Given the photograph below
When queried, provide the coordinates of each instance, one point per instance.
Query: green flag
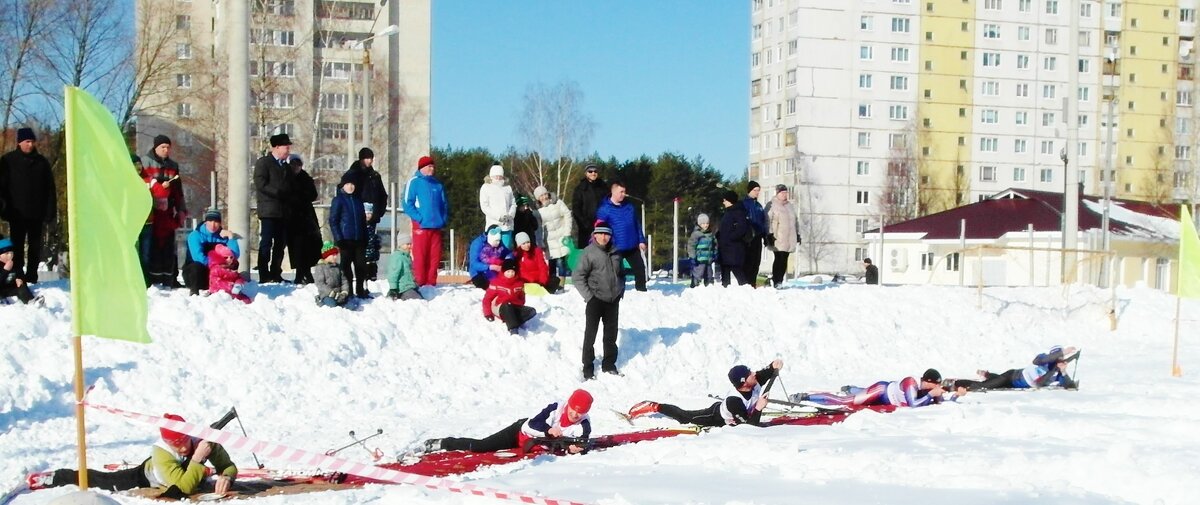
(107, 204)
(1189, 256)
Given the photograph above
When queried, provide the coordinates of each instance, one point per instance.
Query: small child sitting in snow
(11, 283)
(333, 288)
(223, 275)
(505, 298)
(400, 272)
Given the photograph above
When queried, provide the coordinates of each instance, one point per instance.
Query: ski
(624, 417)
(815, 407)
(13, 494)
(273, 474)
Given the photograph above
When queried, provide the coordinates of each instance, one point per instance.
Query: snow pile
(305, 376)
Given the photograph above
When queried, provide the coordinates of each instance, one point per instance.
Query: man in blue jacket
(758, 229)
(205, 237)
(628, 240)
(425, 203)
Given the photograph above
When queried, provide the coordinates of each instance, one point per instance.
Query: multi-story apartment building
(875, 111)
(307, 60)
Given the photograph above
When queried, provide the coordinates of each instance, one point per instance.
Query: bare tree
(556, 130)
(898, 200)
(86, 49)
(151, 64)
(1161, 181)
(815, 231)
(22, 28)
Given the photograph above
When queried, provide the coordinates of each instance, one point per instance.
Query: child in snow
(400, 272)
(486, 253)
(348, 224)
(175, 461)
(743, 406)
(372, 244)
(333, 288)
(223, 274)
(531, 263)
(558, 419)
(702, 249)
(11, 282)
(906, 392)
(505, 297)
(1048, 369)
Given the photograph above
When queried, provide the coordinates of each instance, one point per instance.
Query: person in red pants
(425, 202)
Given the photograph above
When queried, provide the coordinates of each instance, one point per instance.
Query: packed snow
(304, 376)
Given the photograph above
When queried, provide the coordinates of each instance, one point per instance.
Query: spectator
(525, 220)
(203, 239)
(28, 201)
(333, 288)
(425, 203)
(505, 297)
(374, 193)
(872, 274)
(162, 260)
(597, 278)
(585, 201)
(702, 249)
(272, 182)
(162, 170)
(11, 283)
(498, 204)
(628, 239)
(400, 272)
(782, 235)
(731, 239)
(486, 253)
(531, 263)
(348, 225)
(758, 230)
(555, 228)
(143, 242)
(223, 274)
(303, 227)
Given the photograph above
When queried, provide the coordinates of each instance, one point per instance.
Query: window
(864, 81)
(991, 88)
(270, 37)
(952, 262)
(1083, 119)
(864, 110)
(991, 59)
(1183, 152)
(755, 85)
(863, 168)
(335, 101)
(183, 22)
(866, 23)
(337, 70)
(1023, 89)
(757, 31)
(1019, 146)
(183, 109)
(861, 225)
(1051, 6)
(1048, 91)
(791, 78)
(1047, 119)
(1051, 36)
(1114, 10)
(989, 116)
(899, 82)
(1022, 61)
(1049, 63)
(1085, 38)
(1046, 175)
(793, 47)
(1183, 125)
(1018, 174)
(1048, 147)
(277, 100)
(900, 25)
(1022, 33)
(866, 53)
(900, 54)
(987, 174)
(1187, 15)
(991, 5)
(1084, 93)
(333, 131)
(754, 59)
(862, 197)
(860, 253)
(1085, 66)
(864, 140)
(1081, 150)
(1022, 117)
(989, 144)
(1085, 9)
(183, 81)
(274, 68)
(991, 31)
(897, 140)
(1183, 98)
(1024, 5)
(183, 51)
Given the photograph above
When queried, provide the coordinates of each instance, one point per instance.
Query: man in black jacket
(372, 190)
(272, 183)
(28, 200)
(872, 271)
(585, 201)
(731, 239)
(303, 227)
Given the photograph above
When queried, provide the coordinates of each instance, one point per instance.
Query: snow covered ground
(305, 376)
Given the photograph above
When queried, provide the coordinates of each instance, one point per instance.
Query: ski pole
(362, 442)
(243, 428)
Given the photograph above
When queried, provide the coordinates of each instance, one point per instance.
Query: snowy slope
(304, 376)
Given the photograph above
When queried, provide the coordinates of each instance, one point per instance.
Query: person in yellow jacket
(177, 460)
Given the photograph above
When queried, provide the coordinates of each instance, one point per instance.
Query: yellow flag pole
(1175, 370)
(80, 429)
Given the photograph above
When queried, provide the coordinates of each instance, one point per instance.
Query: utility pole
(1071, 195)
(238, 196)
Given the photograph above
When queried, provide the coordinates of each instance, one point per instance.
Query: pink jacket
(222, 277)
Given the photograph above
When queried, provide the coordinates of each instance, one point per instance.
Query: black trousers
(480, 281)
(304, 248)
(555, 282)
(498, 441)
(272, 239)
(22, 292)
(737, 271)
(120, 480)
(354, 263)
(634, 257)
(31, 232)
(992, 381)
(753, 259)
(609, 312)
(710, 416)
(195, 276)
(779, 267)
(514, 316)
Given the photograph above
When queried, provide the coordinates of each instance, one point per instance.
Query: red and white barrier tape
(316, 459)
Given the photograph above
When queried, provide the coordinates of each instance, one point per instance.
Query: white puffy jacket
(498, 205)
(556, 223)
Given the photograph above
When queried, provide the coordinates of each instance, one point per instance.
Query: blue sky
(657, 75)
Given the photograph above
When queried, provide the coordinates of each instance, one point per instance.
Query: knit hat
(135, 159)
(368, 207)
(539, 191)
(729, 196)
(350, 176)
(702, 219)
(523, 200)
(601, 227)
(173, 437)
(403, 239)
(751, 185)
(780, 187)
(580, 401)
(496, 170)
(280, 139)
(366, 154)
(931, 375)
(493, 235)
(6, 245)
(328, 249)
(212, 215)
(508, 264)
(24, 134)
(591, 167)
(423, 162)
(161, 139)
(521, 238)
(738, 375)
(295, 159)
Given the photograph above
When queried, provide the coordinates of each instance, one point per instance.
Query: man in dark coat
(872, 274)
(758, 227)
(731, 239)
(303, 227)
(585, 201)
(28, 201)
(373, 192)
(272, 181)
(160, 169)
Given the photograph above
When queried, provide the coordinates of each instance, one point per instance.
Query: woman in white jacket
(498, 204)
(555, 225)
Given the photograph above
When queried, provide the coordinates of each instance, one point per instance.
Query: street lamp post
(1062, 155)
(366, 83)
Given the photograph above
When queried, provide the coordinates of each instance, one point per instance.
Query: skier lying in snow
(745, 405)
(558, 419)
(906, 392)
(176, 460)
(1048, 369)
